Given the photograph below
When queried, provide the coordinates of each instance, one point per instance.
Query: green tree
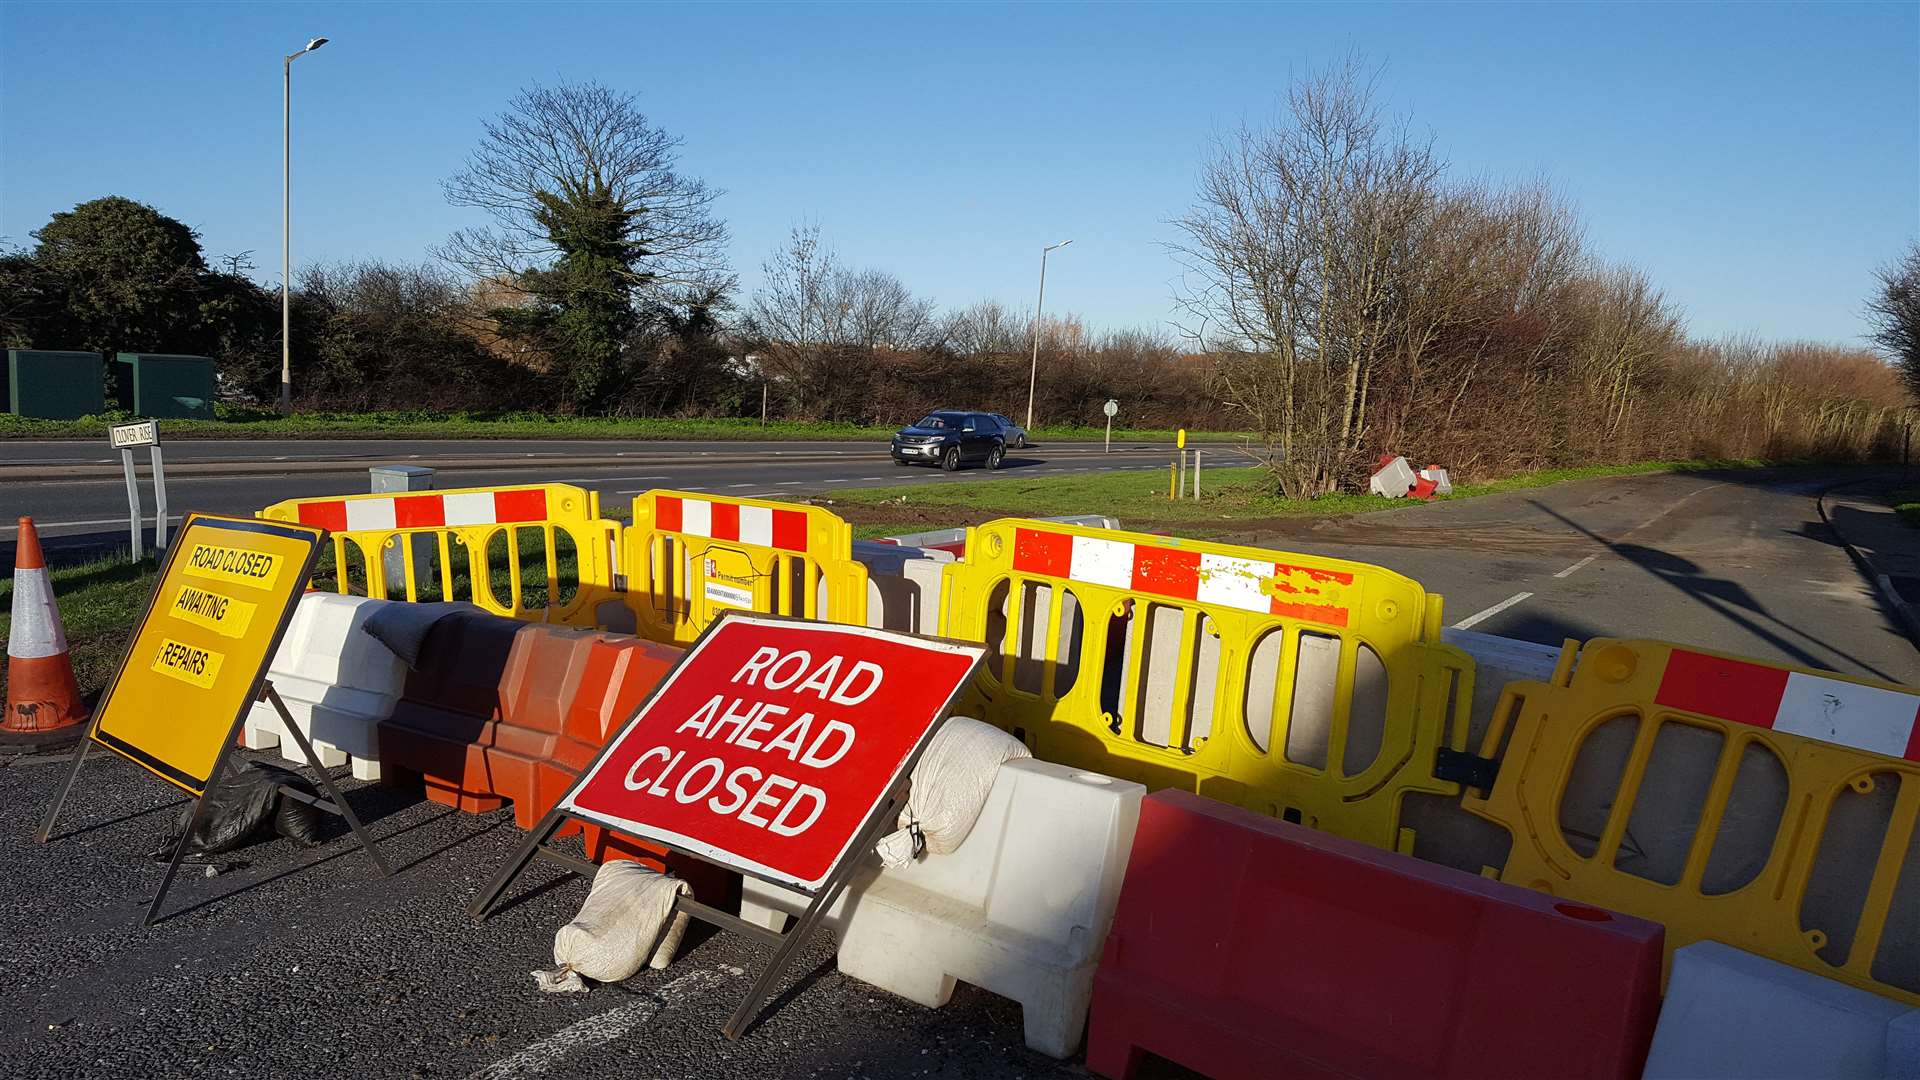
(121, 276)
(590, 222)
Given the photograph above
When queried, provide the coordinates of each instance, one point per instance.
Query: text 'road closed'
(773, 742)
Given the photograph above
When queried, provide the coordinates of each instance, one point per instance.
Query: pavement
(1885, 545)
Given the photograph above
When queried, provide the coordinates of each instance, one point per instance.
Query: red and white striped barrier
(1870, 718)
(427, 511)
(1256, 585)
(763, 526)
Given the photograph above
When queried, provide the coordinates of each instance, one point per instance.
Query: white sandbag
(617, 928)
(950, 785)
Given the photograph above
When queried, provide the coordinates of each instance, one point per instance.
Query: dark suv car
(949, 439)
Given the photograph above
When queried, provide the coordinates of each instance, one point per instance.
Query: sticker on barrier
(1767, 807)
(539, 552)
(775, 747)
(693, 557)
(1311, 689)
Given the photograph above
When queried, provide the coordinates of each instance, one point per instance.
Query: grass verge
(1233, 499)
(1906, 503)
(234, 423)
(98, 603)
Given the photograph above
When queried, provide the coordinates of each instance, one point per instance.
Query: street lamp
(286, 227)
(1033, 375)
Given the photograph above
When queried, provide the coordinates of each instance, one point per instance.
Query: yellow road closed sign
(201, 648)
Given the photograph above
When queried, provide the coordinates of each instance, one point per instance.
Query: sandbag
(619, 928)
(242, 806)
(403, 628)
(950, 785)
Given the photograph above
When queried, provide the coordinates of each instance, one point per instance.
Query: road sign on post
(1112, 409)
(126, 438)
(776, 747)
(198, 661)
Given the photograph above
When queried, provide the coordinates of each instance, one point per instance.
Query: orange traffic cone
(43, 700)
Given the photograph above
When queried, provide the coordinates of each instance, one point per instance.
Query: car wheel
(1021, 443)
(994, 455)
(950, 460)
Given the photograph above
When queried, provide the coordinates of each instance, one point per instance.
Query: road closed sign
(773, 742)
(200, 651)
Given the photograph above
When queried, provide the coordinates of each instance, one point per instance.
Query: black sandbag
(245, 804)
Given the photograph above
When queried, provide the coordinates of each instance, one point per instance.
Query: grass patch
(1906, 503)
(98, 604)
(1232, 499)
(238, 423)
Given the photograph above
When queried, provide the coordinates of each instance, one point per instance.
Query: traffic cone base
(43, 698)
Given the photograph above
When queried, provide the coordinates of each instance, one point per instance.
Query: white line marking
(1473, 620)
(145, 519)
(789, 483)
(1569, 570)
(842, 480)
(873, 478)
(739, 485)
(598, 1030)
(693, 487)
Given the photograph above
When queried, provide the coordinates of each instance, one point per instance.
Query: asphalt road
(1738, 561)
(75, 489)
(298, 962)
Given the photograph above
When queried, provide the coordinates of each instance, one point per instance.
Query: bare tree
(1894, 313)
(1296, 251)
(559, 154)
(987, 329)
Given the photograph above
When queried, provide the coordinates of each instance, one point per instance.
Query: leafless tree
(1894, 313)
(584, 145)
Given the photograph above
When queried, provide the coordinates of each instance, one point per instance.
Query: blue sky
(1757, 161)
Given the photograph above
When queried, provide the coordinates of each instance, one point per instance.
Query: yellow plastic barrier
(536, 551)
(1769, 808)
(693, 556)
(1311, 689)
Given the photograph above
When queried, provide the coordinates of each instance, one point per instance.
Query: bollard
(386, 479)
(1196, 475)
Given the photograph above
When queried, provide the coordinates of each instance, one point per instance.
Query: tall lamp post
(286, 226)
(1033, 374)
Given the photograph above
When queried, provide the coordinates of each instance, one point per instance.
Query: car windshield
(940, 421)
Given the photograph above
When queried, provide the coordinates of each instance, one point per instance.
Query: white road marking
(694, 487)
(1477, 618)
(873, 478)
(842, 480)
(145, 519)
(1569, 570)
(598, 1030)
(739, 485)
(789, 483)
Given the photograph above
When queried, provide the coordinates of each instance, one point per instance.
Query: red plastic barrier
(1244, 946)
(446, 716)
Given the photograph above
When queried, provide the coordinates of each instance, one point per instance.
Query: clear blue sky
(1757, 161)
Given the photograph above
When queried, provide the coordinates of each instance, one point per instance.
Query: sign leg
(133, 501)
(180, 849)
(60, 797)
(159, 499)
(802, 928)
(326, 780)
(483, 904)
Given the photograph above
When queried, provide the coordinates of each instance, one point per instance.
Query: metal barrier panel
(1314, 690)
(694, 556)
(538, 552)
(1769, 808)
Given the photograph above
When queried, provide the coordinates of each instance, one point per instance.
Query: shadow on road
(1728, 599)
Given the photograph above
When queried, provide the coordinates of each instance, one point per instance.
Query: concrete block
(1729, 1013)
(1394, 478)
(1021, 909)
(903, 585)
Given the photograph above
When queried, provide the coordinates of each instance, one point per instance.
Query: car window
(938, 422)
(972, 423)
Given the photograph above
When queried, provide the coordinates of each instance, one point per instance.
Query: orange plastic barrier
(1249, 947)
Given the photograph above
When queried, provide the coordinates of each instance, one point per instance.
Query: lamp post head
(314, 44)
(1055, 247)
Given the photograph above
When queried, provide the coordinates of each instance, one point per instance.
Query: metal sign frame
(150, 438)
(878, 823)
(262, 689)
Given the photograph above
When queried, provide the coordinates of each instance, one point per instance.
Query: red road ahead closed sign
(773, 742)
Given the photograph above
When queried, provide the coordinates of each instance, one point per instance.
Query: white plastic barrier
(903, 585)
(1731, 1014)
(338, 683)
(1394, 478)
(1021, 909)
